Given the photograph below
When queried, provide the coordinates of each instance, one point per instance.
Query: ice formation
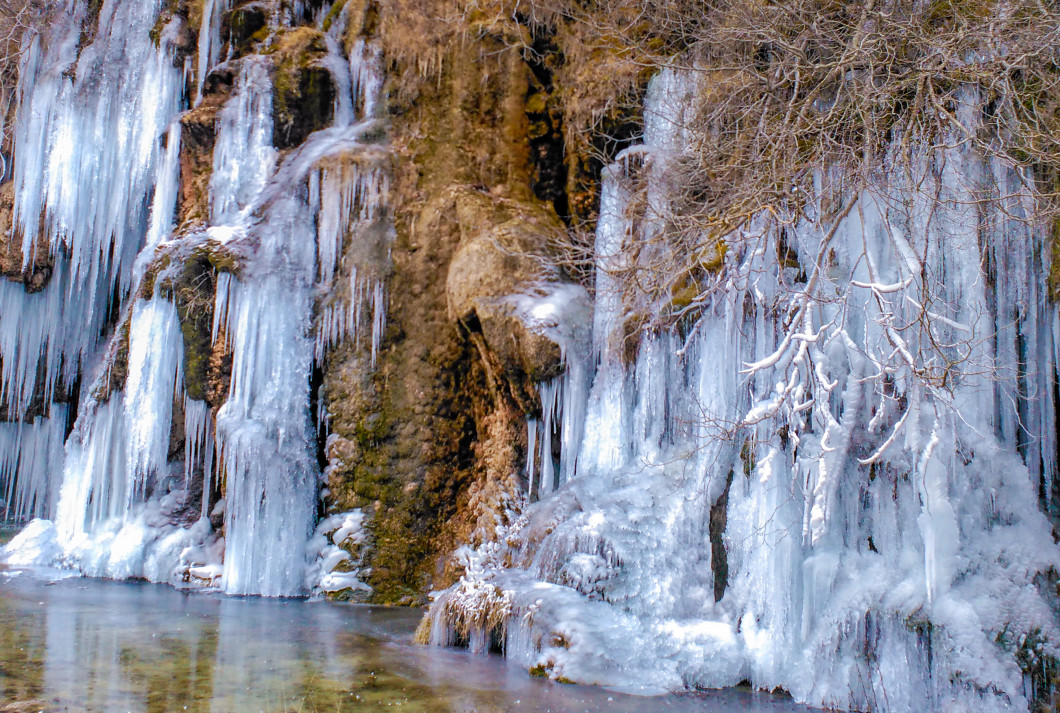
(97, 151)
(836, 482)
(336, 554)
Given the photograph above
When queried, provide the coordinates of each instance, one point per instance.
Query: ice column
(156, 350)
(87, 153)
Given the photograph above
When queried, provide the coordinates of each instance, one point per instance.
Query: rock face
(433, 441)
(34, 275)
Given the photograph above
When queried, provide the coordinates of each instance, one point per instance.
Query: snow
(335, 550)
(34, 545)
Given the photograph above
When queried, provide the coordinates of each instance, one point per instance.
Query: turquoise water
(74, 644)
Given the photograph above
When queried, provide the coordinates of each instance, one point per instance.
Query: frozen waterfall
(835, 482)
(97, 167)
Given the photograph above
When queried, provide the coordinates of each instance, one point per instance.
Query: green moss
(303, 93)
(333, 14)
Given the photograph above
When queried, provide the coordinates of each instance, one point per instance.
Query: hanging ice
(28, 452)
(155, 353)
(824, 483)
(243, 157)
(87, 150)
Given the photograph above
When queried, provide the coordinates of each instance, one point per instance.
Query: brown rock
(37, 274)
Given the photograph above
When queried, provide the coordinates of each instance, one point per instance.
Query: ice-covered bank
(834, 481)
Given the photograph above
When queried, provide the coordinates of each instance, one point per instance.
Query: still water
(74, 644)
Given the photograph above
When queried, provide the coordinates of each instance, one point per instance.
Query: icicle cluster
(30, 451)
(88, 151)
(352, 198)
(123, 509)
(834, 483)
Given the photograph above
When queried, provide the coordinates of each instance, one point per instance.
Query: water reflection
(90, 645)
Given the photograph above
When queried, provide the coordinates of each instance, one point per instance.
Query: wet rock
(248, 25)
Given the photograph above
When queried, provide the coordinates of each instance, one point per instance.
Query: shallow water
(74, 644)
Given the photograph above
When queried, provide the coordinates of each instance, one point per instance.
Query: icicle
(199, 442)
(367, 74)
(265, 440)
(87, 154)
(243, 154)
(156, 351)
(96, 451)
(164, 203)
(531, 448)
(352, 199)
(873, 430)
(264, 431)
(209, 41)
(29, 453)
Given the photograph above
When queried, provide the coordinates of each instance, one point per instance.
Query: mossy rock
(303, 90)
(193, 296)
(247, 26)
(185, 271)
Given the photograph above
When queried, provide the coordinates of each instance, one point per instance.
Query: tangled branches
(790, 92)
